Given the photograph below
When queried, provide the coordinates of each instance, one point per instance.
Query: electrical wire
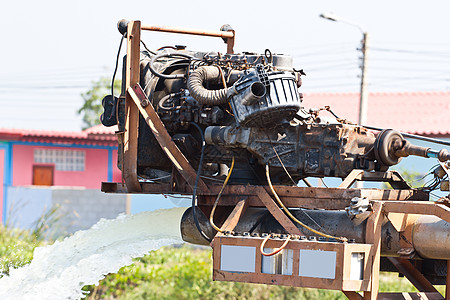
(114, 77)
(342, 239)
(284, 167)
(117, 64)
(276, 250)
(176, 196)
(281, 162)
(161, 55)
(304, 180)
(414, 52)
(211, 178)
(145, 46)
(211, 216)
(222, 76)
(153, 179)
(194, 193)
(224, 83)
(323, 182)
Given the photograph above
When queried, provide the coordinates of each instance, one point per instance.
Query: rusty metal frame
(130, 138)
(305, 197)
(410, 296)
(373, 237)
(341, 281)
(418, 207)
(134, 99)
(384, 202)
(405, 267)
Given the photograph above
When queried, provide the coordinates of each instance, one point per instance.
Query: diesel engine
(247, 107)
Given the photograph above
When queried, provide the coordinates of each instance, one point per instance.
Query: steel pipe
(430, 236)
(222, 34)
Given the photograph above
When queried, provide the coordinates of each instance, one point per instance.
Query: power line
(403, 51)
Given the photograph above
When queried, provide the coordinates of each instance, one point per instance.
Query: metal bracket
(232, 220)
(418, 207)
(276, 212)
(141, 95)
(358, 209)
(392, 177)
(414, 276)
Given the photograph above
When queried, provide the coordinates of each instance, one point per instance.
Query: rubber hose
(164, 99)
(200, 93)
(160, 55)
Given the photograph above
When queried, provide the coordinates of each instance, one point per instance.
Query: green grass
(185, 273)
(17, 245)
(174, 273)
(16, 248)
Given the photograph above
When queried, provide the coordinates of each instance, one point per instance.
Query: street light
(362, 120)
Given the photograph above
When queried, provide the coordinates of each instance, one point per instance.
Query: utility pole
(363, 95)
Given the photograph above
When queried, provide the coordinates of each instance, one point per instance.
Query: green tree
(92, 106)
(413, 178)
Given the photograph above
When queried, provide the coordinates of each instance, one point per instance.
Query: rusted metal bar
(418, 207)
(405, 267)
(229, 35)
(392, 177)
(230, 43)
(447, 285)
(319, 198)
(353, 295)
(235, 215)
(147, 188)
(222, 34)
(373, 236)
(332, 194)
(351, 178)
(276, 212)
(409, 296)
(162, 136)
(131, 111)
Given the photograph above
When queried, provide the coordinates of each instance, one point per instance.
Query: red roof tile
(97, 135)
(101, 129)
(424, 113)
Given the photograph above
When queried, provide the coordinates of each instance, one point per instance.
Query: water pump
(231, 131)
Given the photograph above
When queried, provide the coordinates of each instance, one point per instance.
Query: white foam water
(60, 270)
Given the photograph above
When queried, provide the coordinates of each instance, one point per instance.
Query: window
(64, 160)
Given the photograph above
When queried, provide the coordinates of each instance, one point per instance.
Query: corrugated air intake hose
(200, 93)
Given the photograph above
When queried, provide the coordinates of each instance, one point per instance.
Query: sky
(52, 51)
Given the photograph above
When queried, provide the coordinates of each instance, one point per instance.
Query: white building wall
(78, 208)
